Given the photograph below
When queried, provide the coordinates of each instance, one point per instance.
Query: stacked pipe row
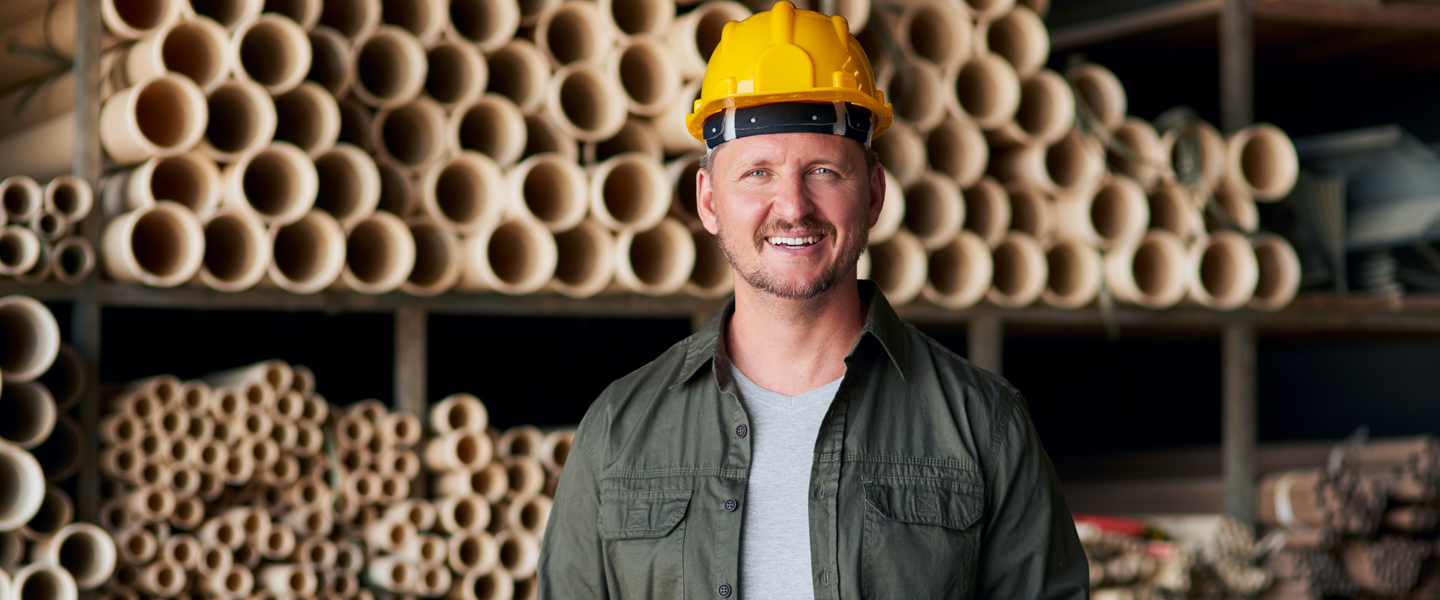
(44, 553)
(38, 224)
(1183, 556)
(225, 486)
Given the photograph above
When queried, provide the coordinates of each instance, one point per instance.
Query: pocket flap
(641, 513)
(925, 503)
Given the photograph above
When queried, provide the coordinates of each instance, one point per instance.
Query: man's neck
(793, 346)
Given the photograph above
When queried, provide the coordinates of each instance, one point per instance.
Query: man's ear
(705, 201)
(877, 192)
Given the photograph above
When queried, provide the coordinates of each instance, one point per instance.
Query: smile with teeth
(793, 242)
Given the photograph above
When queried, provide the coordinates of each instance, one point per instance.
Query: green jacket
(928, 482)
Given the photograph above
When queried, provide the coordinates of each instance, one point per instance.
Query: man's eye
(824, 171)
(755, 174)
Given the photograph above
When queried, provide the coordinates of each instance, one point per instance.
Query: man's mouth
(793, 242)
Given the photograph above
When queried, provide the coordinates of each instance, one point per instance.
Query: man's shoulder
(643, 385)
(948, 377)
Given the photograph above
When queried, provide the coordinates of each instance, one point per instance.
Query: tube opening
(190, 51)
(686, 191)
(163, 115)
(708, 30)
(570, 36)
(230, 250)
(947, 267)
(480, 129)
(177, 179)
(541, 138)
(159, 243)
(578, 251)
(355, 124)
(370, 251)
(1027, 213)
(141, 14)
(624, 191)
(380, 66)
(19, 201)
(712, 267)
(634, 17)
(411, 16)
(271, 183)
(652, 256)
(474, 20)
(510, 75)
(913, 96)
(1151, 270)
(1109, 212)
(460, 193)
(639, 73)
(225, 12)
(581, 98)
(1065, 265)
(1272, 264)
(327, 62)
(1037, 106)
(395, 191)
(1217, 270)
(930, 37)
(268, 54)
(449, 75)
(546, 191)
(1257, 160)
(432, 255)
(299, 117)
(924, 213)
(40, 585)
(339, 190)
(512, 252)
(239, 127)
(407, 136)
(13, 249)
(1065, 161)
(298, 250)
(1010, 269)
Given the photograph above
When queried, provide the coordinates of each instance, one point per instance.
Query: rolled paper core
(892, 211)
(711, 278)
(22, 197)
(637, 135)
(555, 449)
(1211, 156)
(958, 149)
(439, 258)
(647, 72)
(629, 192)
(467, 192)
(332, 63)
(494, 584)
(237, 251)
(472, 553)
(572, 32)
(1075, 273)
(987, 90)
(1073, 165)
(20, 250)
(355, 122)
(73, 260)
(1115, 214)
(410, 137)
(349, 184)
(24, 489)
(399, 192)
(488, 24)
(1263, 162)
(390, 68)
(278, 184)
(164, 115)
(1150, 272)
(530, 515)
(670, 123)
(520, 72)
(1233, 208)
(379, 254)
(552, 189)
(316, 553)
(1021, 271)
(457, 73)
(161, 245)
(585, 260)
(695, 35)
(1173, 208)
(1032, 212)
(61, 452)
(1279, 272)
(585, 102)
(463, 515)
(459, 450)
(987, 210)
(1045, 113)
(1019, 37)
(84, 550)
(69, 196)
(1100, 94)
(248, 124)
(182, 550)
(353, 19)
(658, 261)
(631, 18)
(898, 267)
(230, 14)
(682, 172)
(420, 513)
(1225, 272)
(959, 273)
(491, 125)
(936, 31)
(902, 149)
(305, 13)
(137, 545)
(197, 48)
(45, 581)
(934, 210)
(309, 254)
(425, 19)
(272, 51)
(308, 117)
(1143, 158)
(916, 90)
(519, 552)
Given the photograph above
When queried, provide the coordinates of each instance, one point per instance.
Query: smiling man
(807, 443)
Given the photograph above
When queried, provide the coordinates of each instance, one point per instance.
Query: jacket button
(724, 590)
(731, 505)
(742, 430)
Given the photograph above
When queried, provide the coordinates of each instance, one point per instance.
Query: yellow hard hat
(801, 61)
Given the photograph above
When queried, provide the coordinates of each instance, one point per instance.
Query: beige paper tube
(221, 531)
(197, 48)
(488, 24)
(1045, 114)
(457, 73)
(898, 266)
(84, 550)
(1279, 270)
(432, 581)
(152, 503)
(1019, 37)
(466, 192)
(695, 34)
(279, 542)
(55, 27)
(390, 67)
(49, 226)
(1115, 214)
(458, 450)
(987, 210)
(163, 579)
(22, 198)
(400, 429)
(1262, 161)
(936, 31)
(121, 430)
(56, 511)
(183, 550)
(136, 544)
(190, 179)
(353, 19)
(459, 412)
(61, 452)
(629, 192)
(958, 273)
(425, 19)
(1211, 154)
(161, 245)
(571, 32)
(648, 74)
(551, 189)
(245, 121)
(420, 513)
(24, 489)
(353, 430)
(399, 192)
(235, 582)
(316, 553)
(308, 117)
(410, 137)
(472, 553)
(278, 184)
(311, 520)
(43, 581)
(287, 581)
(1075, 273)
(1100, 92)
(892, 211)
(1072, 165)
(348, 185)
(585, 103)
(190, 512)
(525, 475)
(332, 62)
(1021, 271)
(555, 449)
(463, 515)
(214, 561)
(309, 254)
(682, 172)
(986, 89)
(230, 14)
(495, 584)
(305, 13)
(670, 123)
(272, 51)
(711, 278)
(521, 440)
(656, 262)
(934, 210)
(519, 71)
(1143, 157)
(491, 125)
(917, 91)
(355, 122)
(20, 250)
(637, 135)
(1150, 272)
(585, 260)
(530, 515)
(903, 150)
(1224, 271)
(427, 550)
(625, 19)
(519, 552)
(1233, 208)
(1173, 208)
(438, 258)
(1032, 212)
(69, 196)
(958, 149)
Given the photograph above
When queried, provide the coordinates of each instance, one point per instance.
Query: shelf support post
(985, 339)
(1237, 65)
(85, 313)
(410, 358)
(1239, 415)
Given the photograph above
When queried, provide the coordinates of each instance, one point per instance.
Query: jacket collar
(881, 324)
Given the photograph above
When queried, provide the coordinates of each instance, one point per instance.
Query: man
(807, 443)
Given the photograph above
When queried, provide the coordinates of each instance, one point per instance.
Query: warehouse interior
(1197, 235)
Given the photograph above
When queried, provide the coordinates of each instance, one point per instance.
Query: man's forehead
(792, 147)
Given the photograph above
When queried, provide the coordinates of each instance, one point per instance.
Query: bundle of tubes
(1185, 556)
(44, 553)
(38, 225)
(225, 486)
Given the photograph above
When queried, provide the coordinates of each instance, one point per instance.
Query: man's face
(792, 210)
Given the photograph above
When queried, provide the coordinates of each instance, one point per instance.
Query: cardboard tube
(1233, 208)
(391, 573)
(400, 429)
(637, 135)
(958, 274)
(22, 198)
(248, 124)
(1032, 212)
(656, 262)
(585, 260)
(1019, 37)
(467, 192)
(494, 584)
(892, 211)
(20, 250)
(711, 278)
(24, 489)
(521, 440)
(1144, 159)
(190, 179)
(349, 184)
(427, 550)
(438, 258)
(519, 71)
(53, 27)
(1021, 271)
(1150, 272)
(355, 121)
(163, 115)
(1262, 161)
(488, 24)
(235, 582)
(190, 512)
(1070, 166)
(272, 51)
(1211, 158)
(458, 450)
(1173, 209)
(390, 536)
(585, 103)
(572, 32)
(353, 19)
(137, 545)
(61, 452)
(288, 581)
(457, 73)
(69, 196)
(308, 117)
(353, 430)
(214, 560)
(648, 74)
(491, 125)
(682, 172)
(525, 475)
(519, 552)
(182, 550)
(419, 513)
(390, 68)
(40, 271)
(43, 581)
(1075, 272)
(986, 89)
(332, 62)
(425, 19)
(530, 515)
(195, 397)
(903, 150)
(459, 412)
(309, 254)
(1100, 92)
(625, 19)
(695, 34)
(958, 149)
(49, 225)
(916, 91)
(670, 123)
(278, 184)
(197, 48)
(305, 13)
(161, 245)
(937, 32)
(314, 520)
(399, 192)
(552, 189)
(230, 14)
(1225, 271)
(83, 550)
(410, 137)
(629, 192)
(1045, 114)
(934, 210)
(898, 267)
(73, 260)
(279, 543)
(987, 210)
(316, 554)
(432, 581)
(121, 430)
(1115, 214)
(555, 449)
(1279, 272)
(471, 553)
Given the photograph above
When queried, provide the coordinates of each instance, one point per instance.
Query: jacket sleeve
(1029, 548)
(571, 561)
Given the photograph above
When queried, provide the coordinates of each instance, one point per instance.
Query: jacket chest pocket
(920, 539)
(643, 533)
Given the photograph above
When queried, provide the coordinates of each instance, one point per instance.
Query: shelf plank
(1132, 23)
(1411, 17)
